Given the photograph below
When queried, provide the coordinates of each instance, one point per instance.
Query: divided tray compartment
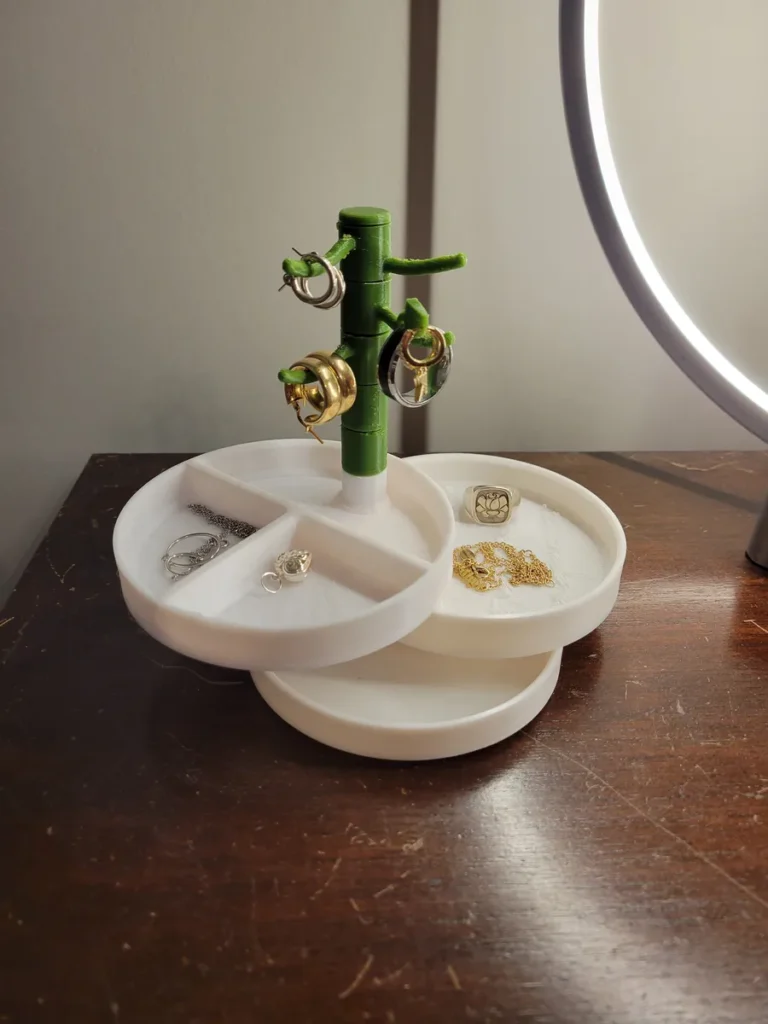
(373, 577)
(407, 705)
(564, 524)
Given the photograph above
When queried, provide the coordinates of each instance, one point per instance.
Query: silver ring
(490, 504)
(182, 563)
(333, 294)
(290, 567)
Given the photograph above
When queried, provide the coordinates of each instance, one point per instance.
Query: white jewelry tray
(406, 705)
(373, 577)
(564, 524)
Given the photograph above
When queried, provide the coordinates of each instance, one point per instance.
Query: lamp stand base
(757, 549)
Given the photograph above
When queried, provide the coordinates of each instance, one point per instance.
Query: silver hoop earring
(333, 294)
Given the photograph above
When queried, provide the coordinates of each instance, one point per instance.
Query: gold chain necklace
(488, 564)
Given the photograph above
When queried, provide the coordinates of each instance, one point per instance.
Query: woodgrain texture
(172, 852)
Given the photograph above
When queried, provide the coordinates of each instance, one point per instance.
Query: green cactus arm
(414, 317)
(305, 377)
(300, 376)
(387, 316)
(434, 265)
(337, 252)
(295, 376)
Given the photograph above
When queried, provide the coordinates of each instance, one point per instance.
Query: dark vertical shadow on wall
(420, 177)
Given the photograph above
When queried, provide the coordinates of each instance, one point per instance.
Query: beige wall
(693, 156)
(549, 355)
(159, 158)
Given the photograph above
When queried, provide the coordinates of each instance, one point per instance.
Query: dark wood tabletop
(171, 851)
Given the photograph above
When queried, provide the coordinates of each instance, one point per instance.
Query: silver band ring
(491, 504)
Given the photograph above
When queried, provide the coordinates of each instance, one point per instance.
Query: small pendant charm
(290, 567)
(293, 566)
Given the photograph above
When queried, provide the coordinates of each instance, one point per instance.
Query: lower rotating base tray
(402, 704)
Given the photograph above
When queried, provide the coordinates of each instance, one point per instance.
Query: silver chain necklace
(234, 526)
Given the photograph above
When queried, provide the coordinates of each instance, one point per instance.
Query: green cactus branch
(387, 316)
(414, 317)
(304, 376)
(434, 265)
(295, 377)
(338, 251)
(363, 251)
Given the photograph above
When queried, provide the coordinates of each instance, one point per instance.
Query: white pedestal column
(363, 494)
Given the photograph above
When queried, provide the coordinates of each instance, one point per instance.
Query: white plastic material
(363, 494)
(405, 705)
(373, 576)
(564, 524)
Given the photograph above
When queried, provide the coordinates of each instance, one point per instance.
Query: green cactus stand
(363, 253)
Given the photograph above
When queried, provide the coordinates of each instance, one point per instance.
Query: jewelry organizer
(371, 646)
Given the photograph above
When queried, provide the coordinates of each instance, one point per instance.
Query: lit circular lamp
(674, 329)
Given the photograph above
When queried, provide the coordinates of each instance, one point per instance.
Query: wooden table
(171, 851)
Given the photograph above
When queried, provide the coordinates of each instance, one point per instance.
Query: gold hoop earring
(438, 347)
(324, 394)
(345, 377)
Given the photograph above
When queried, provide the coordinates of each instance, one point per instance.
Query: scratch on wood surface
(414, 847)
(378, 982)
(384, 891)
(183, 746)
(16, 641)
(60, 576)
(707, 469)
(652, 579)
(358, 979)
(361, 838)
(191, 671)
(328, 880)
(454, 977)
(753, 623)
(356, 907)
(6, 621)
(713, 865)
(679, 707)
(255, 941)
